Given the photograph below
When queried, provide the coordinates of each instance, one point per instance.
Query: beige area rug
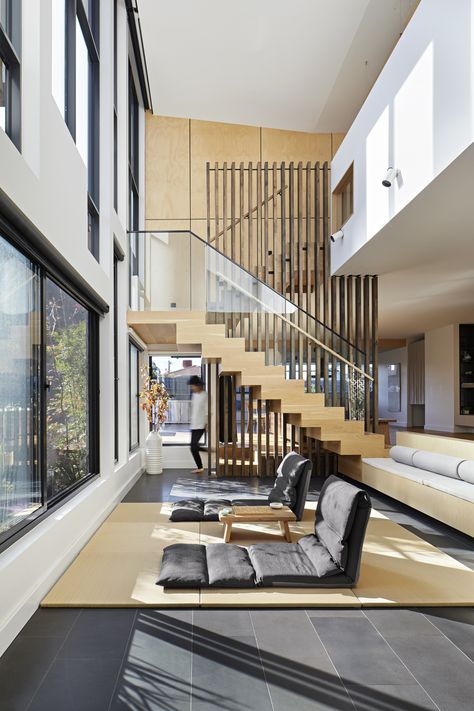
(119, 567)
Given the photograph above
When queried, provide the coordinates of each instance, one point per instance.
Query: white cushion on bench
(455, 487)
(442, 464)
(458, 488)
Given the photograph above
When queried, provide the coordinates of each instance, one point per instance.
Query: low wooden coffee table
(257, 514)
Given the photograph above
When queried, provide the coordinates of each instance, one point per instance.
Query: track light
(337, 235)
(390, 176)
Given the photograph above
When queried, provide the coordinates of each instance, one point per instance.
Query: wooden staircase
(304, 410)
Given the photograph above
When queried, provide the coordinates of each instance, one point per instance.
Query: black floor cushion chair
(290, 488)
(328, 558)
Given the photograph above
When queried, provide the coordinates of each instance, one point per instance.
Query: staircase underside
(188, 330)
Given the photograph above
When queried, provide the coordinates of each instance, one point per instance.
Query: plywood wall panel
(278, 145)
(217, 142)
(167, 167)
(337, 139)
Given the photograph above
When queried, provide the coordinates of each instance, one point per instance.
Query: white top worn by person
(199, 410)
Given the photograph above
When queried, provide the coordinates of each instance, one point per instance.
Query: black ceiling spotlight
(337, 235)
(391, 175)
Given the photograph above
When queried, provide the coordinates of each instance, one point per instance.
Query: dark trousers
(195, 448)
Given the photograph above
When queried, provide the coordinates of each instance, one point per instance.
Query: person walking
(198, 419)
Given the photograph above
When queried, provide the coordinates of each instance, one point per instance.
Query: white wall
(440, 376)
(418, 118)
(48, 183)
(397, 355)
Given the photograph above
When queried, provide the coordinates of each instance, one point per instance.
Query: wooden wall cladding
(167, 167)
(177, 151)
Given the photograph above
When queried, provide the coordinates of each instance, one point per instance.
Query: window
(134, 404)
(48, 388)
(67, 402)
(75, 84)
(343, 200)
(174, 372)
(118, 257)
(115, 111)
(20, 482)
(10, 46)
(133, 188)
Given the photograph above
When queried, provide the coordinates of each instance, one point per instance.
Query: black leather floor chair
(328, 558)
(290, 488)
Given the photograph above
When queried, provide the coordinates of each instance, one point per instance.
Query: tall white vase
(154, 453)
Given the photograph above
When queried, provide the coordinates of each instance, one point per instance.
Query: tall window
(20, 482)
(48, 402)
(133, 185)
(10, 73)
(75, 81)
(134, 408)
(67, 404)
(115, 110)
(118, 257)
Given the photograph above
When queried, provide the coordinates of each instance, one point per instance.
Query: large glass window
(48, 388)
(10, 46)
(75, 85)
(115, 108)
(174, 372)
(133, 189)
(67, 370)
(20, 482)
(134, 410)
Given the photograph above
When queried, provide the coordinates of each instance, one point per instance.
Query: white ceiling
(425, 257)
(303, 65)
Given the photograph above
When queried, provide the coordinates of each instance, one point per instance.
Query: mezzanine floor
(246, 660)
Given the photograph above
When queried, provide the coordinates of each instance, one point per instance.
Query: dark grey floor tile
(444, 672)
(50, 622)
(409, 697)
(457, 623)
(227, 675)
(98, 634)
(297, 668)
(336, 612)
(228, 623)
(400, 622)
(22, 668)
(77, 685)
(359, 653)
(158, 662)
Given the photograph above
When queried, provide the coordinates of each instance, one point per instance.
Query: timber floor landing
(246, 659)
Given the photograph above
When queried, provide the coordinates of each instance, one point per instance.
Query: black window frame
(89, 21)
(10, 55)
(47, 270)
(132, 343)
(133, 178)
(118, 257)
(115, 105)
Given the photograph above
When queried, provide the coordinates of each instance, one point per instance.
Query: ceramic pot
(154, 453)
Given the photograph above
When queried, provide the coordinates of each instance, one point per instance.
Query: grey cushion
(184, 566)
(229, 566)
(282, 564)
(212, 508)
(442, 464)
(466, 471)
(302, 490)
(404, 455)
(288, 475)
(319, 556)
(187, 510)
(335, 514)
